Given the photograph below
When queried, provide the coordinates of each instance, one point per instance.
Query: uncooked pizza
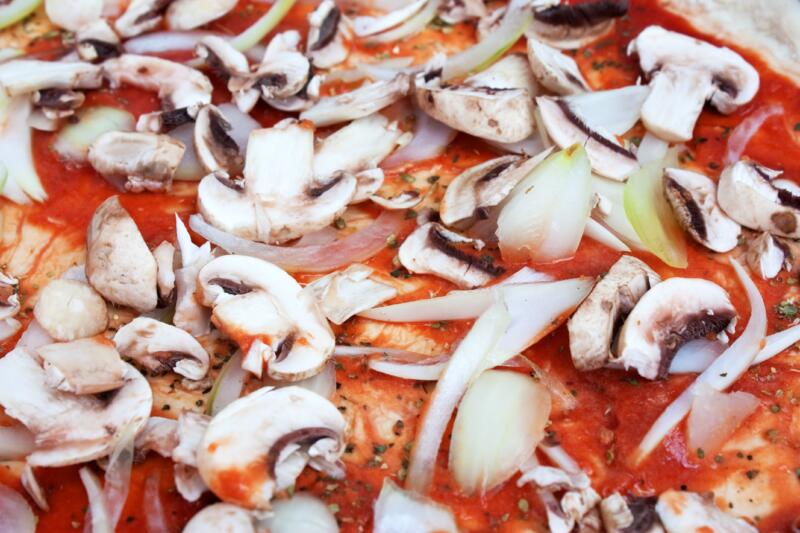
(399, 266)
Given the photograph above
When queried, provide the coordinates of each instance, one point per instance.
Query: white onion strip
(596, 231)
(228, 386)
(16, 443)
(15, 514)
(431, 138)
(696, 356)
(97, 506)
(156, 519)
(410, 27)
(466, 363)
(118, 475)
(166, 41)
(356, 247)
(723, 372)
(741, 134)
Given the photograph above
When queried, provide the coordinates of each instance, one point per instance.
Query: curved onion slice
(356, 247)
(165, 41)
(651, 149)
(724, 371)
(478, 57)
(715, 416)
(615, 111)
(260, 28)
(615, 219)
(740, 135)
(531, 146)
(431, 137)
(397, 511)
(422, 368)
(15, 443)
(118, 475)
(368, 25)
(155, 517)
(73, 141)
(410, 27)
(101, 522)
(500, 421)
(323, 383)
(16, 10)
(778, 342)
(363, 351)
(595, 230)
(696, 356)
(302, 513)
(466, 363)
(382, 70)
(652, 217)
(228, 386)
(15, 148)
(544, 216)
(15, 514)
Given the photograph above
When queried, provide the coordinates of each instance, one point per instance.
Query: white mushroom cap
(592, 327)
(23, 76)
(433, 249)
(97, 41)
(70, 428)
(554, 70)
(511, 72)
(767, 255)
(296, 338)
(365, 100)
(747, 194)
(325, 45)
(688, 511)
(215, 148)
(72, 15)
(669, 315)
(570, 26)
(140, 16)
(283, 71)
(225, 205)
(160, 347)
(222, 518)
(685, 73)
(287, 428)
(191, 14)
(83, 366)
(177, 85)
(189, 432)
(69, 310)
(231, 64)
(118, 263)
(345, 293)
(693, 197)
(607, 157)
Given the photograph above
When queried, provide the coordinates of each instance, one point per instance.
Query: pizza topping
(160, 348)
(364, 26)
(667, 316)
(326, 33)
(25, 76)
(289, 428)
(9, 296)
(693, 197)
(569, 26)
(73, 15)
(750, 194)
(97, 42)
(302, 510)
(715, 416)
(191, 14)
(404, 510)
(164, 254)
(56, 104)
(361, 102)
(216, 149)
(685, 73)
(689, 511)
(346, 293)
(118, 263)
(69, 310)
(83, 366)
(594, 325)
(221, 517)
(73, 141)
(141, 16)
(554, 70)
(767, 256)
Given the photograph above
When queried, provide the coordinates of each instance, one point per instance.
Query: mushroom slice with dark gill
(118, 263)
(224, 203)
(693, 197)
(283, 71)
(141, 16)
(669, 315)
(750, 195)
(606, 155)
(684, 73)
(288, 428)
(145, 161)
(455, 11)
(56, 104)
(326, 34)
(593, 326)
(83, 366)
(215, 148)
(97, 42)
(345, 293)
(24, 76)
(768, 255)
(160, 347)
(630, 514)
(191, 14)
(681, 511)
(554, 70)
(433, 249)
(365, 100)
(570, 26)
(231, 65)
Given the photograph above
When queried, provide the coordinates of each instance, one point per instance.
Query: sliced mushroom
(164, 254)
(302, 100)
(747, 193)
(222, 517)
(433, 249)
(570, 26)
(367, 25)
(56, 104)
(593, 326)
(225, 204)
(215, 148)
(347, 292)
(189, 314)
(326, 33)
(69, 310)
(682, 511)
(141, 16)
(189, 483)
(511, 72)
(767, 255)
(118, 263)
(178, 86)
(669, 315)
(455, 11)
(160, 348)
(97, 42)
(9, 296)
(190, 430)
(231, 65)
(685, 73)
(283, 71)
(630, 514)
(554, 70)
(72, 15)
(607, 156)
(70, 428)
(166, 121)
(288, 428)
(24, 76)
(693, 197)
(358, 103)
(191, 14)
(398, 202)
(83, 366)
(296, 339)
(159, 435)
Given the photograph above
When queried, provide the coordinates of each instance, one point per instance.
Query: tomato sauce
(614, 409)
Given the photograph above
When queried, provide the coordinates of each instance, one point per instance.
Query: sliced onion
(73, 141)
(363, 351)
(165, 41)
(696, 356)
(559, 456)
(397, 511)
(544, 216)
(466, 363)
(16, 10)
(778, 342)
(613, 193)
(431, 138)
(321, 237)
(724, 371)
(479, 56)
(16, 516)
(33, 488)
(423, 368)
(526, 275)
(302, 513)
(531, 146)
(595, 230)
(651, 149)
(652, 217)
(715, 416)
(615, 111)
(500, 421)
(9, 327)
(740, 135)
(260, 28)
(16, 151)
(189, 168)
(100, 520)
(118, 475)
(367, 25)
(15, 444)
(156, 518)
(323, 383)
(382, 70)
(410, 27)
(356, 247)
(228, 386)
